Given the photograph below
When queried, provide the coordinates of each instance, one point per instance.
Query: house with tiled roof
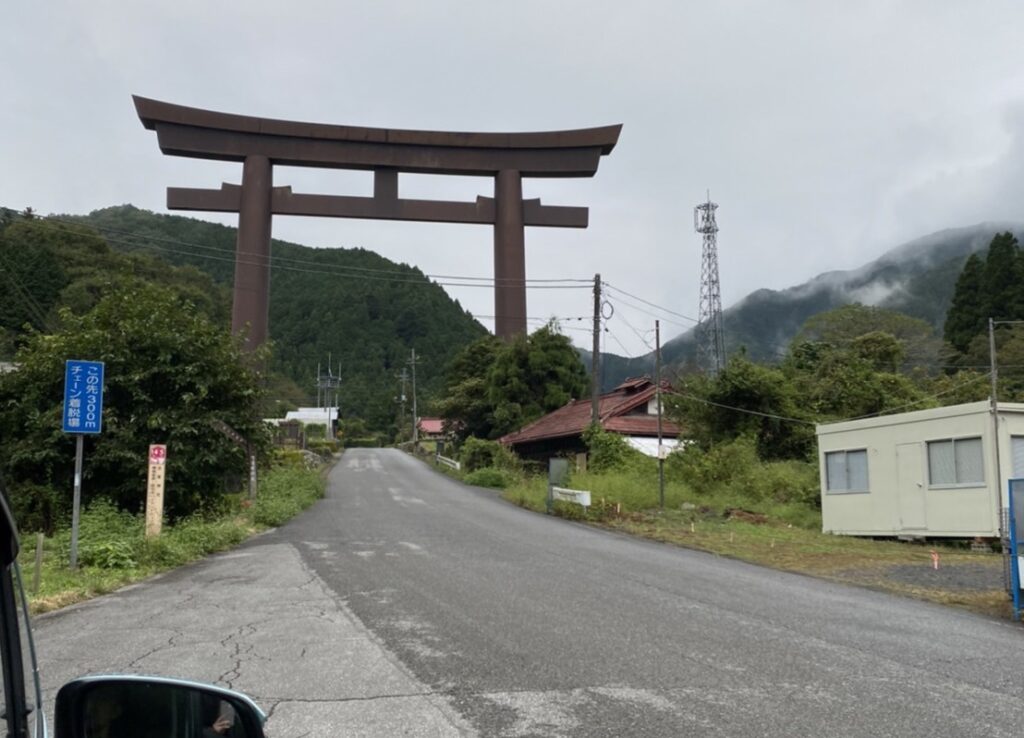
(431, 428)
(630, 410)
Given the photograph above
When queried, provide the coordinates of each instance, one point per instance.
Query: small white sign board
(580, 497)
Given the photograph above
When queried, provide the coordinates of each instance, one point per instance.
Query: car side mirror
(153, 707)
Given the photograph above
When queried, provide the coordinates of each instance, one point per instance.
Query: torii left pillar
(250, 305)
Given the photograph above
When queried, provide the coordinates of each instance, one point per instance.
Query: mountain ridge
(916, 277)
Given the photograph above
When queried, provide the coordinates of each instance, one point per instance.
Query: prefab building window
(956, 462)
(1017, 448)
(846, 471)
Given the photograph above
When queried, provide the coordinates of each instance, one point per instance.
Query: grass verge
(113, 550)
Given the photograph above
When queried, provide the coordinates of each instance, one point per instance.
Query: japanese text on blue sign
(83, 396)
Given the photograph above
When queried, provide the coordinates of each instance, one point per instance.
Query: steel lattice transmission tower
(710, 334)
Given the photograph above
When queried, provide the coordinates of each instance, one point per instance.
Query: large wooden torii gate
(260, 143)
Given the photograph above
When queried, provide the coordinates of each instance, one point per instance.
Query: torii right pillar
(509, 256)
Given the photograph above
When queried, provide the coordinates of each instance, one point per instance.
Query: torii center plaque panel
(260, 143)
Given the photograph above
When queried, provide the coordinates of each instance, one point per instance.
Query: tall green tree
(532, 376)
(861, 378)
(844, 325)
(967, 313)
(746, 399)
(169, 372)
(990, 289)
(1001, 278)
(494, 388)
(464, 402)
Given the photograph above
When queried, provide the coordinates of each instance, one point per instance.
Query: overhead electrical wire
(649, 303)
(367, 273)
(639, 335)
(881, 413)
(616, 338)
(620, 301)
(151, 241)
(23, 294)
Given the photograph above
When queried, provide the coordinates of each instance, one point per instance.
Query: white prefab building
(924, 473)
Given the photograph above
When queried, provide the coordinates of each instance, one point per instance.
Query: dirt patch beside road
(964, 578)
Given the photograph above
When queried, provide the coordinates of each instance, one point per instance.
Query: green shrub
(285, 493)
(108, 538)
(476, 453)
(610, 452)
(289, 457)
(568, 510)
(109, 553)
(365, 442)
(323, 448)
(706, 471)
(734, 469)
(489, 476)
(297, 459)
(192, 538)
(37, 507)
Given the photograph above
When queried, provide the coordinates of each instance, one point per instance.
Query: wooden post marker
(155, 489)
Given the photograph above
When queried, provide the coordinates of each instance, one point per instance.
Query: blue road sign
(83, 396)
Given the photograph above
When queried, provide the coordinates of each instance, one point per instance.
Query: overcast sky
(828, 132)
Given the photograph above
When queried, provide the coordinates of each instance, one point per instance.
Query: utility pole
(595, 362)
(327, 392)
(404, 377)
(331, 402)
(657, 394)
(1004, 531)
(994, 373)
(415, 419)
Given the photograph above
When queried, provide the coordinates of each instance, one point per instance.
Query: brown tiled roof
(432, 425)
(613, 409)
(640, 425)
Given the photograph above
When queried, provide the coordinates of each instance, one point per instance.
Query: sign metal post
(82, 416)
(558, 474)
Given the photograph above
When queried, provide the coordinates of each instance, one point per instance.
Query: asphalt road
(408, 604)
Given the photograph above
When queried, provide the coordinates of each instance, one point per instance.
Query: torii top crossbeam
(260, 143)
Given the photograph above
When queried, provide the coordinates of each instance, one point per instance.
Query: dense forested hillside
(363, 310)
(916, 279)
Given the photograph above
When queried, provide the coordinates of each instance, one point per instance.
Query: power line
(23, 294)
(638, 334)
(935, 396)
(338, 270)
(147, 239)
(880, 413)
(611, 333)
(650, 304)
(740, 409)
(620, 301)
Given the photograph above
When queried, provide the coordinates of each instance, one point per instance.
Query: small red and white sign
(157, 453)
